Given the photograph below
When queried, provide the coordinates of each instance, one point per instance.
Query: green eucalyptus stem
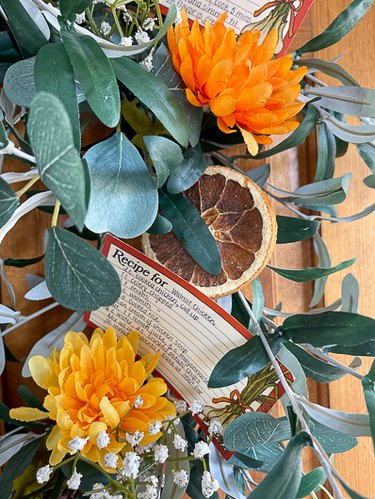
(92, 22)
(326, 491)
(27, 186)
(30, 317)
(56, 212)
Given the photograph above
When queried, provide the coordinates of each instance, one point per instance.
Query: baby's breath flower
(77, 444)
(105, 28)
(127, 17)
(43, 474)
(141, 37)
(134, 438)
(179, 443)
(138, 402)
(74, 481)
(197, 407)
(102, 440)
(147, 63)
(110, 2)
(149, 24)
(155, 427)
(80, 18)
(180, 478)
(209, 485)
(201, 449)
(161, 453)
(126, 41)
(181, 406)
(130, 464)
(215, 428)
(97, 1)
(110, 460)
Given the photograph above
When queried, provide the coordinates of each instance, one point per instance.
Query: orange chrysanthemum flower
(239, 80)
(93, 387)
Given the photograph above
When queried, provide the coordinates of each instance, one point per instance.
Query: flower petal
(27, 414)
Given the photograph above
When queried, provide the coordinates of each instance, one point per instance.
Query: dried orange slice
(241, 220)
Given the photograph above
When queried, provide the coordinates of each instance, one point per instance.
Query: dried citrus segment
(241, 220)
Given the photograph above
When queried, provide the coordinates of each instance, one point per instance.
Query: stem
(20, 154)
(327, 492)
(55, 215)
(333, 361)
(117, 22)
(27, 186)
(92, 22)
(30, 318)
(323, 458)
(313, 495)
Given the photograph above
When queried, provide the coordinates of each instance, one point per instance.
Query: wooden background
(288, 170)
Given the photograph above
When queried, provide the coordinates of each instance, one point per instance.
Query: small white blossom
(162, 481)
(149, 24)
(77, 444)
(151, 491)
(127, 17)
(155, 427)
(141, 37)
(110, 2)
(134, 438)
(80, 18)
(161, 453)
(181, 406)
(97, 1)
(180, 478)
(179, 443)
(215, 428)
(43, 474)
(147, 63)
(105, 28)
(74, 481)
(126, 41)
(143, 448)
(110, 460)
(197, 407)
(138, 402)
(201, 449)
(102, 440)
(209, 485)
(130, 464)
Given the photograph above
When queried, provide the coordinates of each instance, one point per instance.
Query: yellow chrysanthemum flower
(93, 387)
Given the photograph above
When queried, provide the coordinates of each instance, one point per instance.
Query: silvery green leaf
(311, 481)
(223, 472)
(332, 441)
(160, 226)
(54, 339)
(327, 148)
(225, 302)
(258, 301)
(353, 100)
(187, 172)
(329, 68)
(330, 191)
(10, 445)
(8, 202)
(370, 181)
(38, 292)
(272, 312)
(356, 134)
(352, 218)
(345, 422)
(368, 383)
(8, 315)
(2, 365)
(37, 17)
(14, 177)
(292, 363)
(262, 457)
(367, 153)
(19, 83)
(260, 174)
(165, 155)
(324, 260)
(349, 294)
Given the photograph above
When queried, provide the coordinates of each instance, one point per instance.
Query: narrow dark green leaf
(311, 481)
(353, 100)
(290, 230)
(192, 231)
(311, 273)
(242, 461)
(19, 83)
(95, 75)
(370, 181)
(367, 153)
(325, 166)
(366, 349)
(29, 398)
(297, 137)
(260, 174)
(330, 329)
(54, 74)
(124, 198)
(155, 95)
(58, 161)
(332, 441)
(69, 7)
(25, 30)
(329, 68)
(160, 226)
(255, 428)
(188, 172)
(77, 275)
(165, 155)
(241, 362)
(22, 262)
(340, 27)
(284, 480)
(368, 383)
(8, 202)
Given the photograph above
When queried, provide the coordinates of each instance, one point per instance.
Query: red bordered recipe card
(189, 329)
(284, 15)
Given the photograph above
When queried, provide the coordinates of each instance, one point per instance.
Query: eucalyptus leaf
(367, 153)
(370, 181)
(368, 383)
(165, 155)
(242, 361)
(291, 229)
(297, 137)
(19, 83)
(38, 292)
(311, 481)
(260, 174)
(188, 172)
(23, 25)
(78, 276)
(53, 73)
(311, 273)
(124, 198)
(71, 7)
(262, 457)
(325, 166)
(284, 480)
(353, 100)
(29, 398)
(242, 461)
(326, 192)
(58, 161)
(2, 359)
(10, 445)
(324, 261)
(155, 95)
(291, 361)
(329, 68)
(95, 75)
(258, 302)
(350, 294)
(4, 141)
(160, 226)
(356, 134)
(8, 202)
(332, 441)
(223, 472)
(340, 27)
(191, 230)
